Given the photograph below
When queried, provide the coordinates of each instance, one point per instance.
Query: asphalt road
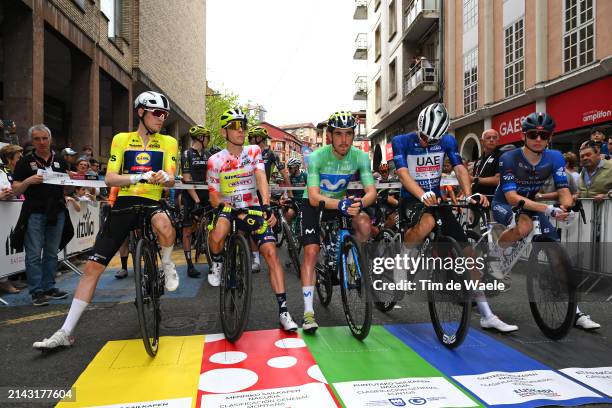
(22, 366)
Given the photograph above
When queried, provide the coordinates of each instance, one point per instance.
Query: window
(112, 11)
(377, 96)
(80, 4)
(392, 20)
(470, 81)
(579, 34)
(514, 71)
(392, 79)
(470, 14)
(377, 46)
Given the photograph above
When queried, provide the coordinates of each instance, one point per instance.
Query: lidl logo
(143, 158)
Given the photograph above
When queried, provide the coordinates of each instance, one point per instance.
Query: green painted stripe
(382, 356)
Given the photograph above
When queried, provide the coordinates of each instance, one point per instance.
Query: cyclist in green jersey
(329, 170)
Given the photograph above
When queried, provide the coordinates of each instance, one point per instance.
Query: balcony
(422, 78)
(361, 89)
(361, 10)
(421, 15)
(361, 47)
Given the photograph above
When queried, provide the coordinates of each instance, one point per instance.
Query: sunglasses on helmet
(542, 134)
(158, 113)
(236, 125)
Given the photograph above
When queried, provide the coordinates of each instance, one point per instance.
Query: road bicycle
(285, 234)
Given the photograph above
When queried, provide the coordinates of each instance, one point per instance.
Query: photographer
(8, 130)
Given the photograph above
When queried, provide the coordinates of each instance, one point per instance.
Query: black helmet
(538, 121)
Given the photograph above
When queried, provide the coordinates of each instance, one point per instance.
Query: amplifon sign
(586, 105)
(508, 124)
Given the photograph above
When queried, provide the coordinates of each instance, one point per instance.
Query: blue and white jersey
(516, 173)
(424, 163)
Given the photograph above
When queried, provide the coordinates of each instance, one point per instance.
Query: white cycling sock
(166, 254)
(255, 256)
(578, 310)
(308, 292)
(483, 305)
(74, 314)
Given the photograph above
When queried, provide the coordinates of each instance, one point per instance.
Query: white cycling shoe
(59, 339)
(287, 322)
(214, 277)
(171, 277)
(494, 322)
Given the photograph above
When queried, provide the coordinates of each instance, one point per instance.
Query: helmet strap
(141, 119)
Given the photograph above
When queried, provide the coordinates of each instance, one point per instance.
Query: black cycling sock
(188, 258)
(124, 262)
(281, 298)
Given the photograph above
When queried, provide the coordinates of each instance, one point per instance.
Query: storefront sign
(508, 124)
(586, 105)
(389, 152)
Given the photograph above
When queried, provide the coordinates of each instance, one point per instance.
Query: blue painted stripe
(478, 354)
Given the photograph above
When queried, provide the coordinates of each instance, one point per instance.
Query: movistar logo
(328, 185)
(308, 293)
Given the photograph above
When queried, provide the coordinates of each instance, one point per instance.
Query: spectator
(571, 162)
(69, 157)
(8, 129)
(9, 155)
(82, 165)
(596, 175)
(598, 137)
(87, 151)
(486, 170)
(44, 225)
(94, 166)
(609, 157)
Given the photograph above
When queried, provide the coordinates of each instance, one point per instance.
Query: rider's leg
(517, 232)
(362, 226)
(166, 236)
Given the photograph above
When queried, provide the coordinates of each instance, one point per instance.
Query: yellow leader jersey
(128, 155)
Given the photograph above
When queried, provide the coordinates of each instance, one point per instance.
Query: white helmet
(433, 122)
(294, 162)
(152, 100)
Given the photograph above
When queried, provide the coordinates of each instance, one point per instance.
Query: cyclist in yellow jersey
(136, 158)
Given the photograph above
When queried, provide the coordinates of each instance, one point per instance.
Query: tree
(216, 104)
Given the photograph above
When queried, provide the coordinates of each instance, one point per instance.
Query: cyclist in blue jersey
(419, 158)
(522, 173)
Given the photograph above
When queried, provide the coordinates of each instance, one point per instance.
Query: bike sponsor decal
(402, 392)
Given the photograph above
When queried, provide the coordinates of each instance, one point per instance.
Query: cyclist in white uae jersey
(419, 157)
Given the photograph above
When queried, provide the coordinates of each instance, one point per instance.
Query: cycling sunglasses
(236, 125)
(158, 113)
(542, 134)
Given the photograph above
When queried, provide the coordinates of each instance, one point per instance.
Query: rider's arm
(214, 186)
(262, 186)
(565, 198)
(170, 161)
(186, 162)
(464, 179)
(367, 180)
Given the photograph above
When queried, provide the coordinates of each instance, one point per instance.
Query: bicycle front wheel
(551, 287)
(292, 249)
(146, 276)
(386, 299)
(448, 296)
(355, 287)
(235, 297)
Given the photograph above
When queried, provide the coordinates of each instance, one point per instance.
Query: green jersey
(332, 175)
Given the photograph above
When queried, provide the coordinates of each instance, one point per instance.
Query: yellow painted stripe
(33, 318)
(122, 372)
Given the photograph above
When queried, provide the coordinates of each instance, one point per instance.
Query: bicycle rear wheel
(323, 282)
(551, 287)
(449, 308)
(292, 249)
(355, 287)
(235, 298)
(146, 276)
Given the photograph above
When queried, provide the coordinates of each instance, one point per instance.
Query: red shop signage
(508, 124)
(389, 152)
(583, 106)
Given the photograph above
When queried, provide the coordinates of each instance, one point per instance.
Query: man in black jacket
(44, 207)
(485, 176)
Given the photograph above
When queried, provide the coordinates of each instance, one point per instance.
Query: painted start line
(396, 366)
